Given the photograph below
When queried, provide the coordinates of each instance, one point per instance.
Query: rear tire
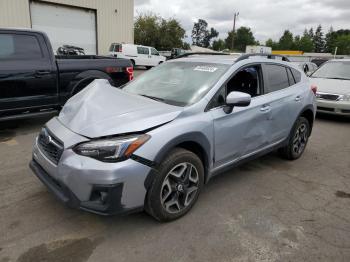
(297, 140)
(176, 187)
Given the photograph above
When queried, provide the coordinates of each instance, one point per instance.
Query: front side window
(19, 47)
(334, 70)
(277, 78)
(177, 83)
(246, 80)
(154, 51)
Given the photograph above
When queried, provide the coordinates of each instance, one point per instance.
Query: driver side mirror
(236, 99)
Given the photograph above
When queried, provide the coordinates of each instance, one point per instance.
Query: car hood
(102, 110)
(333, 86)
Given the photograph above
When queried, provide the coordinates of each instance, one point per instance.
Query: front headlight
(113, 149)
(344, 97)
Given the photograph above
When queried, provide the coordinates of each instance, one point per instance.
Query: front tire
(297, 140)
(176, 187)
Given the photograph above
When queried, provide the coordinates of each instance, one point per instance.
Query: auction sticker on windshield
(210, 69)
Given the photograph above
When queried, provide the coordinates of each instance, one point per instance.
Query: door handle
(265, 108)
(41, 73)
(298, 98)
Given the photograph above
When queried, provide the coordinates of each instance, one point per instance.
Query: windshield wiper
(154, 98)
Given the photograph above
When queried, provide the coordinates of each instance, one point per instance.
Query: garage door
(65, 25)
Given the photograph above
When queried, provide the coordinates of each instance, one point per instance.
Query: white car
(333, 87)
(307, 67)
(138, 54)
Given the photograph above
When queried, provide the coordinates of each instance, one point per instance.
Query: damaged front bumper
(88, 184)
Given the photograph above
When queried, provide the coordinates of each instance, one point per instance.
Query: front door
(245, 130)
(27, 79)
(155, 58)
(142, 56)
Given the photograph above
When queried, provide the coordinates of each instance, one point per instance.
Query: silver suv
(153, 144)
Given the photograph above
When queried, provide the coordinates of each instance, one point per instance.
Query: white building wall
(115, 18)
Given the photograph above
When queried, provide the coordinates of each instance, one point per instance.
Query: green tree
(336, 39)
(171, 34)
(242, 37)
(286, 41)
(331, 37)
(318, 39)
(228, 40)
(306, 43)
(146, 30)
(343, 44)
(152, 30)
(219, 45)
(212, 34)
(272, 44)
(186, 46)
(311, 33)
(296, 43)
(201, 35)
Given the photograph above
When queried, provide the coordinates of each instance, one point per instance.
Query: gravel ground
(266, 210)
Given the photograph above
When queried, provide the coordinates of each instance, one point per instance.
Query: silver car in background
(333, 87)
(153, 144)
(308, 67)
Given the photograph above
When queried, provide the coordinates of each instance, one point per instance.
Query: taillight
(314, 89)
(130, 71)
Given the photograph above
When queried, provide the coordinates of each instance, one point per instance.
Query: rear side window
(142, 50)
(290, 77)
(19, 47)
(297, 75)
(277, 78)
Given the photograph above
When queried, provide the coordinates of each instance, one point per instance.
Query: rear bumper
(333, 107)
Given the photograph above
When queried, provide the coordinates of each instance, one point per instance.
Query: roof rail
(268, 56)
(199, 53)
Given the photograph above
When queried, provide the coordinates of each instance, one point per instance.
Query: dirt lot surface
(267, 210)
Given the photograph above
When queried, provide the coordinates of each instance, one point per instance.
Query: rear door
(285, 99)
(27, 75)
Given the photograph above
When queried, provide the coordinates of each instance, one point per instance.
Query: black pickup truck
(33, 81)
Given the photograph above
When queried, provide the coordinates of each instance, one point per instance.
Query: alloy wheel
(179, 187)
(300, 139)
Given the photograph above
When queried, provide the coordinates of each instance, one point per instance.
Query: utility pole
(234, 29)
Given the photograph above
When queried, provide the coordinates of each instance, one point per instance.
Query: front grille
(50, 146)
(326, 96)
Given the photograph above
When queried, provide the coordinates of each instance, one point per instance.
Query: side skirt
(221, 169)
